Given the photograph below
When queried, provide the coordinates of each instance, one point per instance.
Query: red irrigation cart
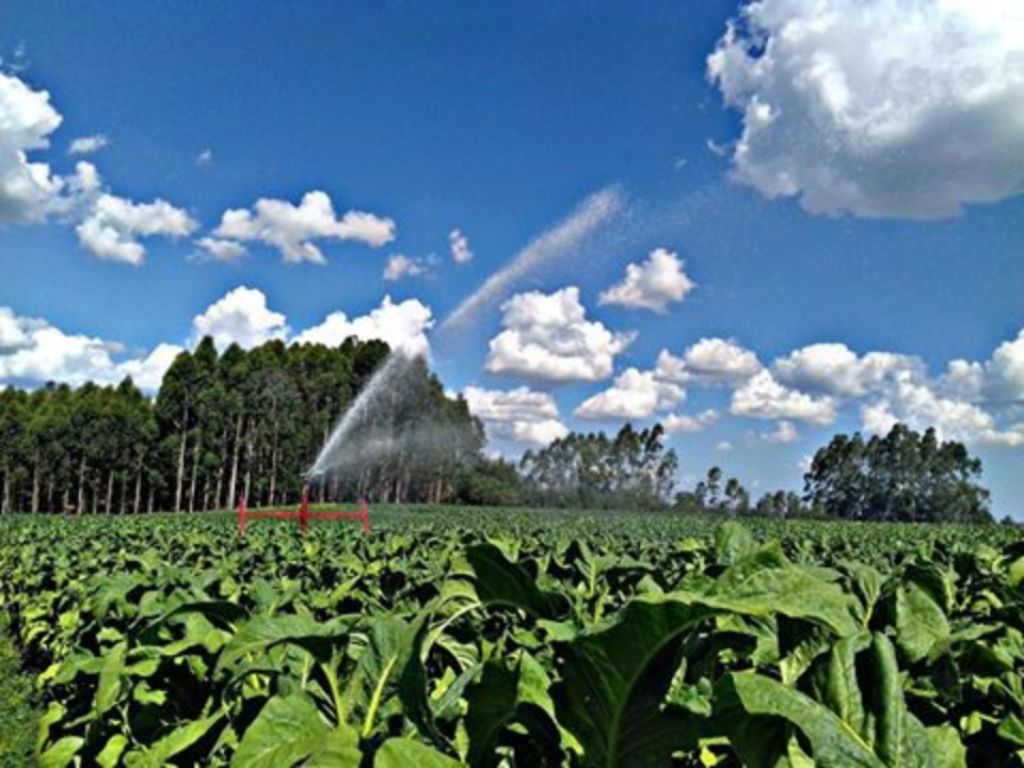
(303, 514)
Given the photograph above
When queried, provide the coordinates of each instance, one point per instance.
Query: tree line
(225, 425)
(250, 423)
(903, 476)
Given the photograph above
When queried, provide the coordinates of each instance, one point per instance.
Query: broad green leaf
(1012, 729)
(406, 753)
(833, 743)
(288, 731)
(614, 682)
(109, 686)
(1016, 572)
(111, 752)
(790, 591)
(506, 695)
(836, 682)
(178, 740)
(61, 753)
(263, 632)
(733, 542)
(921, 623)
(947, 749)
(391, 645)
(499, 581)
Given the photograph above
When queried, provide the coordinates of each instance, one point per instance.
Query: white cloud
(520, 414)
(27, 119)
(762, 397)
(653, 285)
(147, 372)
(562, 240)
(682, 422)
(878, 108)
(113, 225)
(107, 225)
(86, 145)
(963, 379)
(403, 326)
(85, 181)
(400, 265)
(459, 246)
(222, 250)
(204, 158)
(724, 446)
(547, 336)
(14, 334)
(918, 406)
(834, 369)
(709, 361)
(634, 395)
(239, 317)
(33, 350)
(292, 228)
(783, 433)
(1000, 379)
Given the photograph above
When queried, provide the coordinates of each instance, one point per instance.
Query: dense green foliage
(630, 470)
(17, 718)
(239, 423)
(520, 638)
(903, 476)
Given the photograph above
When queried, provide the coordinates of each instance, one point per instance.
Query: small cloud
(240, 317)
(679, 164)
(548, 336)
(222, 250)
(653, 285)
(724, 446)
(459, 245)
(783, 434)
(400, 265)
(86, 145)
(685, 423)
(718, 150)
(292, 228)
(204, 158)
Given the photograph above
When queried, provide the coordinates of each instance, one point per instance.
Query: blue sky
(855, 184)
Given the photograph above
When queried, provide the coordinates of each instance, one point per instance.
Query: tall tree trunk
(80, 505)
(149, 502)
(35, 484)
(218, 491)
(196, 451)
(236, 451)
(6, 503)
(138, 490)
(248, 467)
(273, 472)
(179, 483)
(109, 500)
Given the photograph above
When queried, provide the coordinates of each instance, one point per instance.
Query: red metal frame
(303, 514)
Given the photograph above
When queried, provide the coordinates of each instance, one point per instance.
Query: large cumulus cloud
(877, 108)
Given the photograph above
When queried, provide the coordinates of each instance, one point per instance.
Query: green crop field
(500, 637)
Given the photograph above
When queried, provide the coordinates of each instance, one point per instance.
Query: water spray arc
(338, 449)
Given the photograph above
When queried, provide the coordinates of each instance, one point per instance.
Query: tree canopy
(631, 469)
(903, 476)
(224, 425)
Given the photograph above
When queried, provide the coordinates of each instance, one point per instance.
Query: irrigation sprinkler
(303, 514)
